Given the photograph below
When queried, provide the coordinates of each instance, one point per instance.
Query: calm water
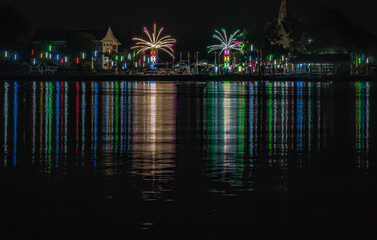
(187, 159)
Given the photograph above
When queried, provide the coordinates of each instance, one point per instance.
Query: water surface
(187, 158)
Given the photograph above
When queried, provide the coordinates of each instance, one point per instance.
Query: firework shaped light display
(226, 44)
(155, 41)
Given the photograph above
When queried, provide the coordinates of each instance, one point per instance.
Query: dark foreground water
(186, 160)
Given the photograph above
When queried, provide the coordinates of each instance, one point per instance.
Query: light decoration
(155, 42)
(225, 42)
(226, 45)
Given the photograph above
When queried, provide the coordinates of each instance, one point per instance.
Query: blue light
(15, 57)
(125, 65)
(95, 53)
(249, 58)
(363, 57)
(216, 68)
(57, 57)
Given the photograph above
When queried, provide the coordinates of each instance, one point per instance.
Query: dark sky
(191, 22)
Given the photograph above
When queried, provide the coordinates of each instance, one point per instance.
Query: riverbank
(193, 78)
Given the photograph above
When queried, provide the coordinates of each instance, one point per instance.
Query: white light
(34, 61)
(154, 42)
(6, 54)
(83, 55)
(252, 48)
(65, 59)
(225, 42)
(49, 56)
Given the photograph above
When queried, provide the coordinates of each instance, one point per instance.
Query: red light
(32, 51)
(77, 60)
(62, 61)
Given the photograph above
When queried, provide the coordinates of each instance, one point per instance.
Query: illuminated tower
(109, 44)
(282, 12)
(285, 40)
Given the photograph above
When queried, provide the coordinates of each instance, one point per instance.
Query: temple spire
(282, 11)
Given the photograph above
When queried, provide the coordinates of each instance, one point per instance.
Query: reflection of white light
(153, 59)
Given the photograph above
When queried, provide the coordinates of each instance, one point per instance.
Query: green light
(50, 48)
(270, 58)
(359, 60)
(116, 57)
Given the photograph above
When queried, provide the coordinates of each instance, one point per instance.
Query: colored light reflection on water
(247, 135)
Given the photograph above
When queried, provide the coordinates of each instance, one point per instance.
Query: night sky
(191, 22)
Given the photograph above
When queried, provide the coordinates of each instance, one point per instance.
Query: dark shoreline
(193, 78)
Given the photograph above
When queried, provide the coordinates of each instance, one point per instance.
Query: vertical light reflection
(41, 118)
(116, 119)
(94, 121)
(45, 113)
(319, 115)
(107, 118)
(152, 138)
(50, 112)
(253, 123)
(226, 126)
(300, 121)
(57, 118)
(309, 117)
(34, 119)
(6, 109)
(362, 124)
(66, 88)
(83, 115)
(77, 117)
(270, 119)
(15, 118)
